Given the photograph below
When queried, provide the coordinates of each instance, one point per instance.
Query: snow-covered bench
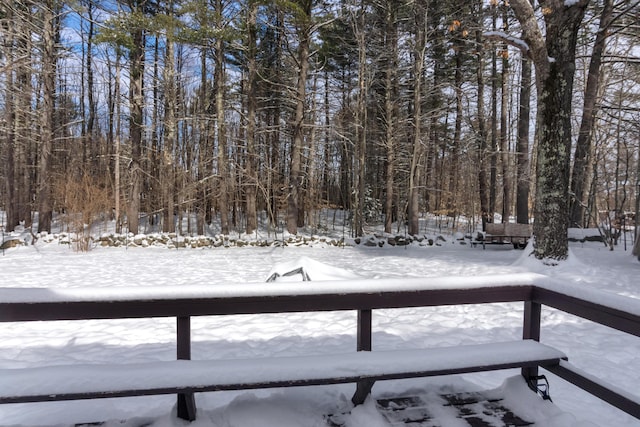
(73, 382)
(185, 377)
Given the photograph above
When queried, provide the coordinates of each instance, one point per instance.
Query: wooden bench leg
(531, 331)
(363, 389)
(186, 407)
(186, 402)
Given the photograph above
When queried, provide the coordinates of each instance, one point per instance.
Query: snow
(287, 287)
(312, 271)
(54, 380)
(588, 376)
(592, 271)
(366, 415)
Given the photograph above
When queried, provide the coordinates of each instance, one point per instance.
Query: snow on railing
(184, 302)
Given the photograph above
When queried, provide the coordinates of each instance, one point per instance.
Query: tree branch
(510, 40)
(532, 35)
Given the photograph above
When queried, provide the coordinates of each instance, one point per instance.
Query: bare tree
(117, 141)
(390, 119)
(49, 10)
(495, 148)
(89, 114)
(221, 126)
(419, 51)
(636, 246)
(504, 126)
(583, 148)
(21, 122)
(251, 187)
(392, 81)
(481, 132)
(10, 56)
(553, 55)
(167, 175)
(361, 115)
(522, 143)
(304, 29)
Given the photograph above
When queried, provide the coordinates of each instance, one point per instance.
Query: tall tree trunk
(361, 123)
(390, 96)
(155, 154)
(418, 151)
(439, 48)
(312, 190)
(274, 171)
(504, 133)
(482, 127)
(92, 107)
(204, 157)
(23, 120)
(48, 110)
(274, 121)
(582, 153)
(9, 159)
(251, 187)
(554, 58)
(452, 194)
(118, 136)
(522, 145)
(327, 181)
(636, 246)
(347, 154)
(493, 152)
(136, 124)
(167, 177)
(221, 132)
(345, 148)
(295, 172)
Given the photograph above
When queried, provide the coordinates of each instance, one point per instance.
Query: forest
(241, 111)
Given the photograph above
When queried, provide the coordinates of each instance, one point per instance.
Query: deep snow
(611, 355)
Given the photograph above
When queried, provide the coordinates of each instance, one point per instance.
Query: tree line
(235, 110)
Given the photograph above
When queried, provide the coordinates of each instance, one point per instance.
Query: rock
(11, 243)
(399, 241)
(371, 242)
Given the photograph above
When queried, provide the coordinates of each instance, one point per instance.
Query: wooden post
(364, 330)
(364, 386)
(186, 401)
(531, 331)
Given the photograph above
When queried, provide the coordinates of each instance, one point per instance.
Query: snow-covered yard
(611, 355)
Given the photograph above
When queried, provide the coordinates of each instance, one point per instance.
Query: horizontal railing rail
(37, 304)
(623, 314)
(624, 318)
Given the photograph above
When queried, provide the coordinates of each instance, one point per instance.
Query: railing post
(363, 388)
(186, 401)
(364, 330)
(531, 331)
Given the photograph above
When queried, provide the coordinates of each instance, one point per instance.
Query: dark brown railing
(622, 314)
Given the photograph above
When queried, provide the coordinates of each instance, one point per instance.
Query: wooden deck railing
(622, 314)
